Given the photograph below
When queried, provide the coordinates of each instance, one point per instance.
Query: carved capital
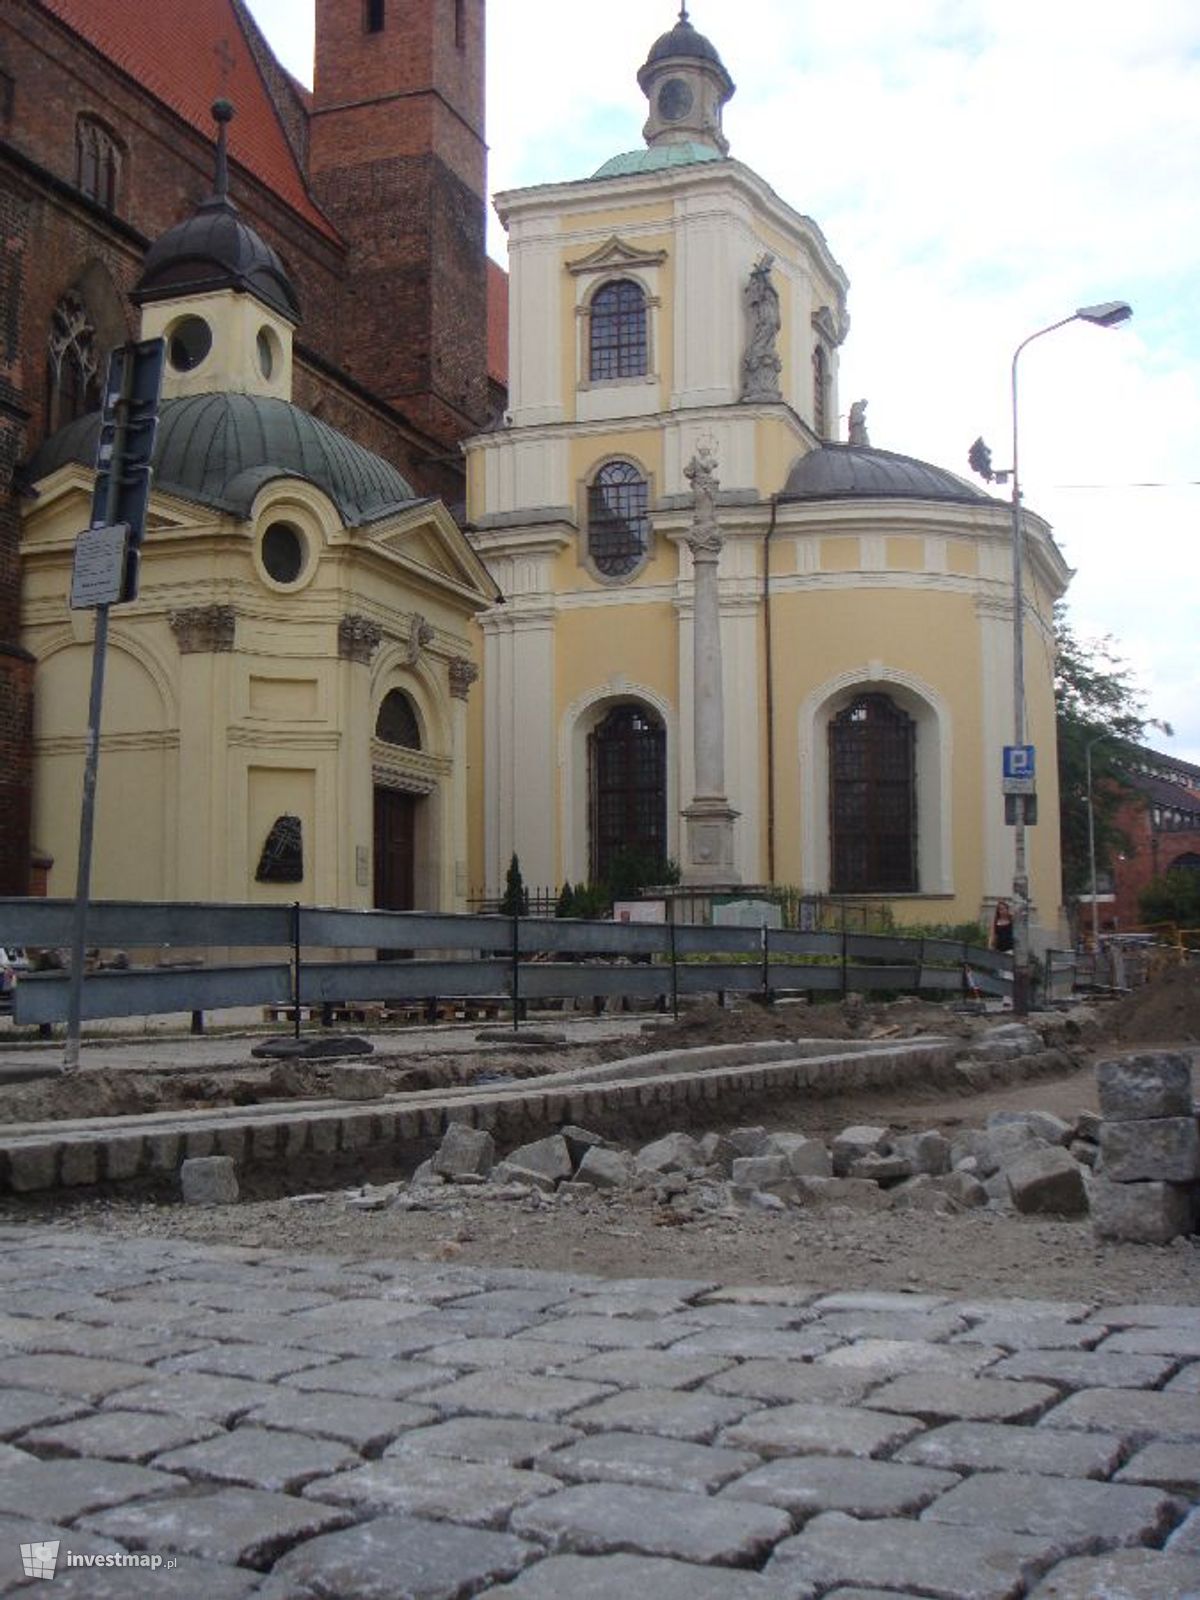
(463, 674)
(202, 630)
(358, 638)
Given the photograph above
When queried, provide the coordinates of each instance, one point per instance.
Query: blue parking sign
(1019, 761)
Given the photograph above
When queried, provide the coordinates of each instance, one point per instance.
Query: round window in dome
(188, 342)
(283, 552)
(266, 352)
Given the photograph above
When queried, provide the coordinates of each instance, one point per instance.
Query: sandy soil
(981, 1254)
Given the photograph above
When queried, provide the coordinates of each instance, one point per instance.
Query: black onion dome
(215, 249)
(683, 41)
(849, 471)
(220, 449)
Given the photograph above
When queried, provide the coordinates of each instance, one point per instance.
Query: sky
(980, 169)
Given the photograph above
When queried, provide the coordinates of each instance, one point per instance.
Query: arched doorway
(396, 810)
(627, 765)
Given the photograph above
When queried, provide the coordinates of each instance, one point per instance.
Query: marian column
(709, 818)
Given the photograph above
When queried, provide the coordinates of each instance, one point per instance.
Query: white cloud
(980, 168)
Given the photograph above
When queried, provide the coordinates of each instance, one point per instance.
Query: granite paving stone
(879, 1358)
(15, 1531)
(820, 1430)
(27, 1408)
(524, 1301)
(1031, 1333)
(269, 1297)
(357, 1313)
(603, 1333)
(1173, 1467)
(869, 1323)
(244, 1527)
(263, 1363)
(1187, 1380)
(81, 1376)
(396, 1558)
(998, 1447)
(502, 1441)
(878, 1300)
(745, 1344)
(637, 1578)
(596, 1518)
(938, 1397)
(1085, 1369)
(671, 1413)
(193, 1394)
(477, 1494)
(642, 1458)
(1186, 1538)
(1141, 1415)
(385, 1380)
(517, 1355)
(1122, 1575)
(27, 1333)
(648, 1369)
(1149, 1315)
(807, 1486)
(1168, 1340)
(795, 1382)
(1095, 1516)
(537, 1399)
(926, 1558)
(61, 1491)
(259, 1458)
(112, 1343)
(366, 1424)
(135, 1436)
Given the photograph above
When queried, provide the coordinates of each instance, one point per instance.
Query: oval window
(189, 342)
(283, 552)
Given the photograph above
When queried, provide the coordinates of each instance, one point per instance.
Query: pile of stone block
(1147, 1183)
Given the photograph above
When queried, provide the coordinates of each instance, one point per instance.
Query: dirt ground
(981, 1254)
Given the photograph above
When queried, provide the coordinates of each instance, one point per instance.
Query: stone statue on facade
(761, 365)
(858, 425)
(704, 537)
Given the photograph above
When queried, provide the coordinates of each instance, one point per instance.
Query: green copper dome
(656, 158)
(220, 449)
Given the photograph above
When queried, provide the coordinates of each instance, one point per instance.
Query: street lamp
(1091, 816)
(1106, 315)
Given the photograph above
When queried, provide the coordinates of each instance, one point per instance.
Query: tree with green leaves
(1175, 897)
(1099, 707)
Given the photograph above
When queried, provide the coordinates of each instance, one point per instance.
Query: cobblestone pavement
(369, 1429)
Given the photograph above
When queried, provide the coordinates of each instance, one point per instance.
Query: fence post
(845, 955)
(766, 965)
(516, 971)
(674, 967)
(296, 969)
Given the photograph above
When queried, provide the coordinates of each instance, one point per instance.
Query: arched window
(1189, 861)
(627, 758)
(820, 364)
(397, 721)
(618, 519)
(873, 798)
(72, 369)
(617, 331)
(97, 162)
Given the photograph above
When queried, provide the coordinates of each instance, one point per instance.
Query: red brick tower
(397, 160)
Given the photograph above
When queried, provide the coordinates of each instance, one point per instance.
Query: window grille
(397, 721)
(618, 519)
(617, 331)
(873, 798)
(628, 762)
(97, 162)
(73, 383)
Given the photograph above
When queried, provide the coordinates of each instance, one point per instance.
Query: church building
(370, 191)
(729, 638)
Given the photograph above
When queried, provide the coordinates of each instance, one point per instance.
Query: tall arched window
(820, 364)
(618, 519)
(97, 162)
(397, 721)
(627, 758)
(72, 368)
(873, 798)
(618, 346)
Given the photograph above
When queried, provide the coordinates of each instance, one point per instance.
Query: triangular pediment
(428, 540)
(615, 253)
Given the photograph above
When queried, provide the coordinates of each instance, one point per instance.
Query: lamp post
(1091, 816)
(1106, 315)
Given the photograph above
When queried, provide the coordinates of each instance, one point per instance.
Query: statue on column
(761, 365)
(701, 472)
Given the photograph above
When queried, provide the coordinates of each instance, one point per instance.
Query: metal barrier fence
(514, 959)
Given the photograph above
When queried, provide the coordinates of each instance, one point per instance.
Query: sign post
(106, 574)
